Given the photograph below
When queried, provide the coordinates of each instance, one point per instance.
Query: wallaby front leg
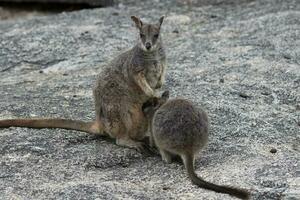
(141, 81)
(151, 138)
(161, 80)
(159, 84)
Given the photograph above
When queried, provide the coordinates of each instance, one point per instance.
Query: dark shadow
(44, 7)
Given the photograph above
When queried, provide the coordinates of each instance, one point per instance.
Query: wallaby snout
(148, 45)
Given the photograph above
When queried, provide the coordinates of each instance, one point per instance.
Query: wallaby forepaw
(156, 94)
(158, 85)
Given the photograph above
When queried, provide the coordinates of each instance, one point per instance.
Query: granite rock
(240, 61)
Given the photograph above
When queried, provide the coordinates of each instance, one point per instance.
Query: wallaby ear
(137, 21)
(161, 19)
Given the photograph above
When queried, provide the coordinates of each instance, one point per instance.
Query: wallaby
(178, 127)
(122, 87)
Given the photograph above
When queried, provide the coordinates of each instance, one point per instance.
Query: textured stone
(48, 66)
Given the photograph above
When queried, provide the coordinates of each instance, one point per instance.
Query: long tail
(89, 127)
(189, 164)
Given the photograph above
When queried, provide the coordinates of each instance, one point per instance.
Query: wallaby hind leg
(130, 134)
(117, 130)
(135, 122)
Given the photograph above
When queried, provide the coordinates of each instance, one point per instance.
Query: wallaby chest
(154, 71)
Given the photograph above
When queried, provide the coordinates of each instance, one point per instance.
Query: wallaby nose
(148, 45)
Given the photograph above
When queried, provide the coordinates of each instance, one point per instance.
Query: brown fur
(122, 87)
(180, 128)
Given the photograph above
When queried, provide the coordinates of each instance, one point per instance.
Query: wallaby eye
(156, 36)
(142, 35)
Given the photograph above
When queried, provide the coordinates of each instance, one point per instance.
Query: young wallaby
(122, 87)
(150, 107)
(180, 128)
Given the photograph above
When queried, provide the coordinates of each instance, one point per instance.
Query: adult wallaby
(178, 127)
(122, 87)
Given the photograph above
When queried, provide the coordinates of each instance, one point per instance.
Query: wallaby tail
(89, 127)
(189, 164)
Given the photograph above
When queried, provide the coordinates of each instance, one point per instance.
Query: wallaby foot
(97, 128)
(127, 142)
(166, 156)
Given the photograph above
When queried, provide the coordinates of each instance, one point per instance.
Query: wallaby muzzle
(148, 45)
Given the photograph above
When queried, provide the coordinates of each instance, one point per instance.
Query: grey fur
(180, 128)
(126, 83)
(122, 88)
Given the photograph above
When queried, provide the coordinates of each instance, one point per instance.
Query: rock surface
(241, 62)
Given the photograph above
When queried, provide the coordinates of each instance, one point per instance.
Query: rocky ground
(241, 62)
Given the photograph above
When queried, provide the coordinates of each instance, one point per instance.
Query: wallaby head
(149, 38)
(152, 105)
